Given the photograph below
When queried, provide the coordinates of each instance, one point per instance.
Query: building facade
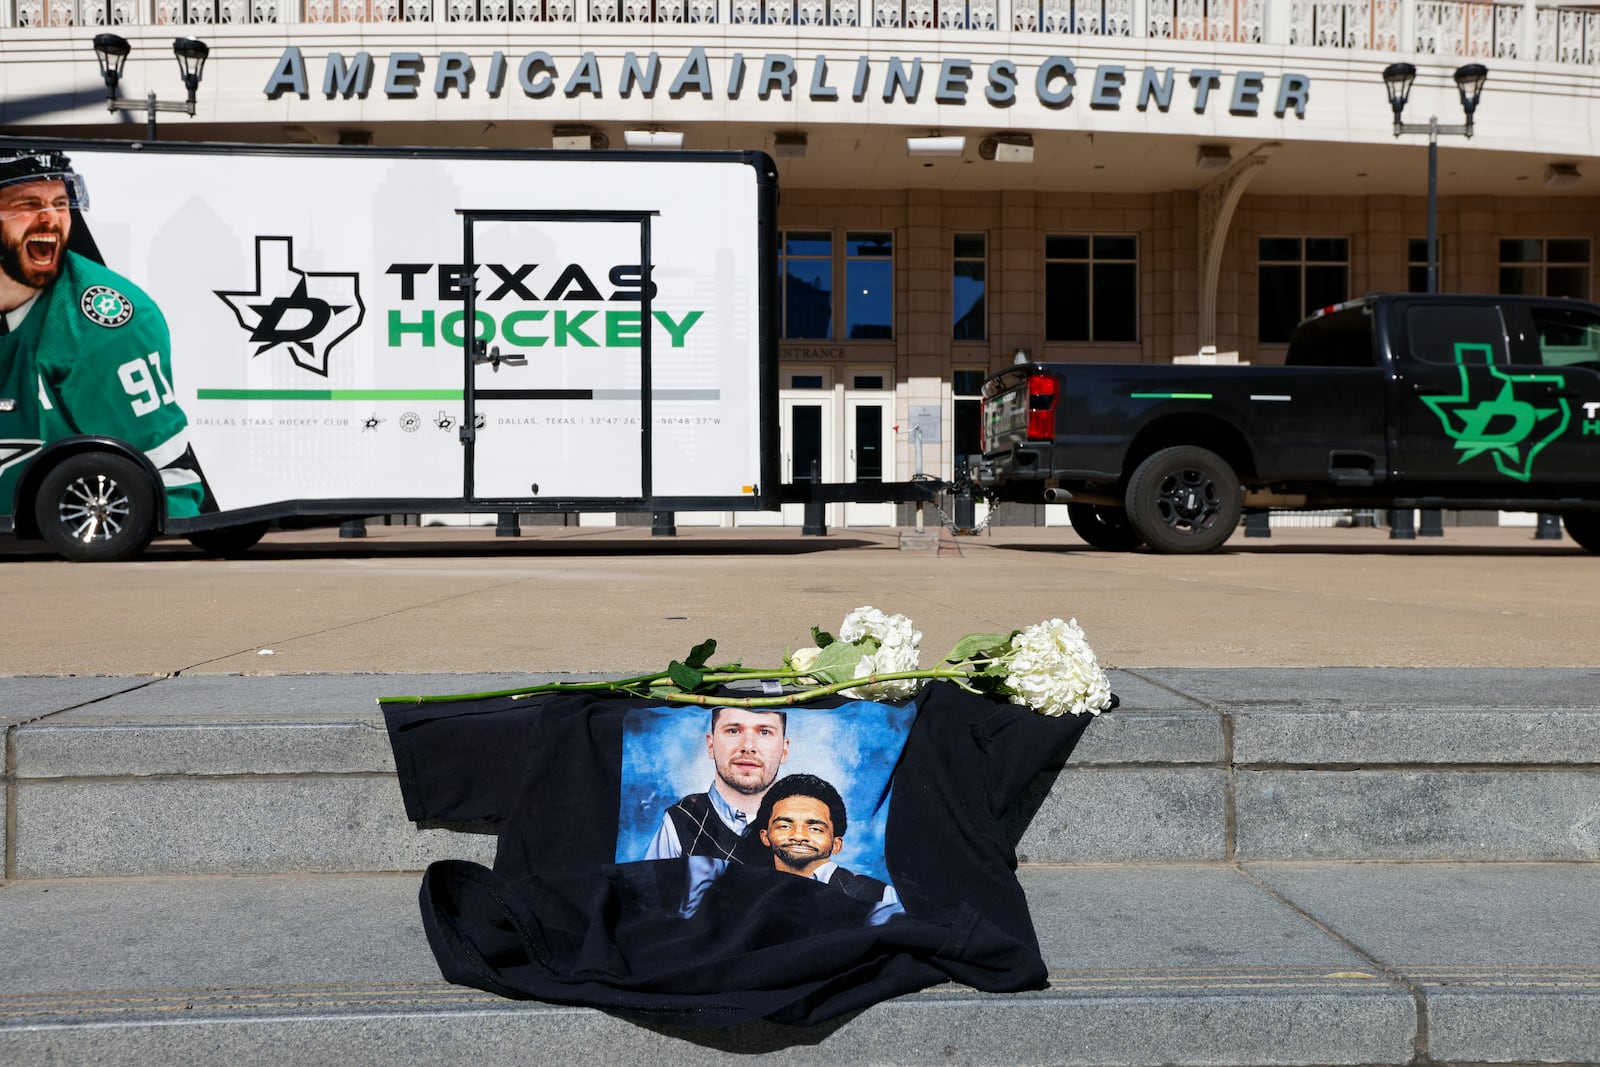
(1140, 180)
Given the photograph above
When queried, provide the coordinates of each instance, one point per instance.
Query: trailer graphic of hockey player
(341, 332)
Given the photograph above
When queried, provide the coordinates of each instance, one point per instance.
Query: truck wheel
(1184, 499)
(229, 540)
(1584, 528)
(1103, 527)
(96, 507)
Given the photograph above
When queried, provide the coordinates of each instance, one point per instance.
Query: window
(968, 283)
(809, 309)
(1091, 288)
(1537, 266)
(869, 286)
(1568, 337)
(1469, 335)
(967, 387)
(1417, 265)
(1342, 339)
(808, 285)
(1298, 275)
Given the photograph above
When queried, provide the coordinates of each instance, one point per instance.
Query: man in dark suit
(803, 820)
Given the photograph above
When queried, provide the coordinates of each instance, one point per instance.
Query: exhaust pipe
(1055, 495)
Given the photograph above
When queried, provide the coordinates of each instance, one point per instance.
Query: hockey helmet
(18, 167)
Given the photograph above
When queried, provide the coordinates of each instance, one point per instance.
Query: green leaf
(821, 638)
(838, 660)
(685, 677)
(700, 654)
(979, 646)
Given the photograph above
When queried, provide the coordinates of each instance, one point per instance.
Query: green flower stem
(639, 684)
(661, 686)
(789, 699)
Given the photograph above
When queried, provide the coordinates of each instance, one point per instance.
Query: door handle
(494, 357)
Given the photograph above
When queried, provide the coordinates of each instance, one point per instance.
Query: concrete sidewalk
(582, 599)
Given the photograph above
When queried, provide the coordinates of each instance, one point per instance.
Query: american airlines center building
(962, 180)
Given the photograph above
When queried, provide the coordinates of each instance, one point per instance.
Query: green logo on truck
(1513, 418)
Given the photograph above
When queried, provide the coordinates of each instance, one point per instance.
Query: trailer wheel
(1584, 528)
(96, 507)
(229, 540)
(1184, 499)
(1105, 528)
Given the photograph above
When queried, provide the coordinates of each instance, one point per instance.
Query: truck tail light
(1041, 407)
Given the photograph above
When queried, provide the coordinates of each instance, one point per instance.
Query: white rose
(802, 660)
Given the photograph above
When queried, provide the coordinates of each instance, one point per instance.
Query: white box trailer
(222, 335)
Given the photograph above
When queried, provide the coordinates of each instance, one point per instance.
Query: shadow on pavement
(363, 548)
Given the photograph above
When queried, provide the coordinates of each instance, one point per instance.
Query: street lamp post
(111, 51)
(1397, 79)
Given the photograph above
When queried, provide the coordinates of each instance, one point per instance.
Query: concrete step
(1215, 964)
(108, 777)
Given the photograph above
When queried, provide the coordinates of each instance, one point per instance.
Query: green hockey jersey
(93, 357)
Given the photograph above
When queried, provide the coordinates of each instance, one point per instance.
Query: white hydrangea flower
(865, 621)
(1053, 670)
(886, 630)
(898, 650)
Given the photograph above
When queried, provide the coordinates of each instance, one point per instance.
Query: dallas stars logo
(1505, 426)
(305, 312)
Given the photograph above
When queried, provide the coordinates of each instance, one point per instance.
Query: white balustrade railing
(1568, 35)
(1454, 28)
(1208, 20)
(1478, 29)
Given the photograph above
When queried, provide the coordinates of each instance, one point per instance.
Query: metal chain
(948, 523)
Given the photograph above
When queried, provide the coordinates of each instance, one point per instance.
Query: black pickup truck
(1440, 401)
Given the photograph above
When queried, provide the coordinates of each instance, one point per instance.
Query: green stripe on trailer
(1171, 396)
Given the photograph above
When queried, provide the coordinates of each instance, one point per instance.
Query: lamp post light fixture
(1397, 78)
(111, 51)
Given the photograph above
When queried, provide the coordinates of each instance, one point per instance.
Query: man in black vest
(803, 820)
(746, 747)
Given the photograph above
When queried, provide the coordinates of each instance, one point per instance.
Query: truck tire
(229, 540)
(1184, 499)
(96, 507)
(1584, 528)
(1103, 527)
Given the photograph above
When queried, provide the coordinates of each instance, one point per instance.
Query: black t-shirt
(570, 915)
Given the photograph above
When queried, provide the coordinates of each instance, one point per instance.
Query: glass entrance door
(869, 454)
(806, 432)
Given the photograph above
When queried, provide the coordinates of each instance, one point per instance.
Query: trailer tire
(1105, 528)
(1584, 528)
(229, 540)
(96, 507)
(1184, 499)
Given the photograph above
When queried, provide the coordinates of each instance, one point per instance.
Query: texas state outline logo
(1507, 426)
(306, 312)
